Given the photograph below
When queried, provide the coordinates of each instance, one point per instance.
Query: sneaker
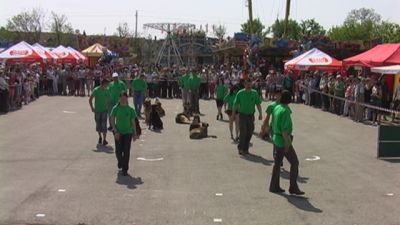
(100, 141)
(105, 142)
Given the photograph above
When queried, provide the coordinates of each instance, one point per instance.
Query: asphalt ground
(53, 172)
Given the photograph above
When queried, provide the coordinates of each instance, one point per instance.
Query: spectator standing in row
(339, 91)
(4, 97)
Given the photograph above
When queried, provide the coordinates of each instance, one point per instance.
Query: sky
(103, 16)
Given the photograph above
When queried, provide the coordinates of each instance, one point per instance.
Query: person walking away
(245, 102)
(102, 98)
(124, 129)
(194, 84)
(282, 126)
(116, 87)
(4, 97)
(221, 91)
(228, 106)
(139, 87)
(184, 84)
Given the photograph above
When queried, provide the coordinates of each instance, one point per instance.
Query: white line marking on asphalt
(62, 190)
(219, 194)
(40, 215)
(390, 194)
(68, 112)
(150, 160)
(217, 220)
(313, 158)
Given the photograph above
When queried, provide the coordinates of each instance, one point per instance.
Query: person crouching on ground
(102, 99)
(282, 127)
(244, 103)
(123, 126)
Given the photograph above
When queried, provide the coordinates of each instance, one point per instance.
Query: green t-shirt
(123, 118)
(281, 121)
(194, 82)
(229, 99)
(139, 85)
(339, 89)
(115, 90)
(271, 107)
(184, 81)
(101, 99)
(221, 91)
(246, 100)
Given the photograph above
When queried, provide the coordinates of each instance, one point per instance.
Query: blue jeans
(138, 98)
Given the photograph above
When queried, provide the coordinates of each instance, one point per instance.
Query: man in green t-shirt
(245, 102)
(124, 129)
(282, 138)
(139, 87)
(116, 87)
(194, 85)
(101, 97)
(184, 85)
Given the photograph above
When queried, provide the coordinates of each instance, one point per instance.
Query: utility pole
(250, 6)
(136, 38)
(285, 30)
(136, 22)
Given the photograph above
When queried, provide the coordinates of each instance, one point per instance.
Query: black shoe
(100, 141)
(217, 117)
(232, 137)
(296, 192)
(124, 173)
(105, 142)
(278, 190)
(109, 128)
(221, 116)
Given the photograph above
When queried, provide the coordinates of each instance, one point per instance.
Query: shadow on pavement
(286, 175)
(104, 149)
(257, 159)
(301, 202)
(129, 181)
(392, 160)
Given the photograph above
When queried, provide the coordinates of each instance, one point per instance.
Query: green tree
(277, 29)
(7, 35)
(29, 24)
(389, 32)
(61, 27)
(255, 27)
(310, 28)
(360, 24)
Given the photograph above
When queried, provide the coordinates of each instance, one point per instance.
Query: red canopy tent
(381, 55)
(22, 53)
(52, 57)
(314, 59)
(66, 55)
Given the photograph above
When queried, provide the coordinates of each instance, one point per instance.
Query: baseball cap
(114, 75)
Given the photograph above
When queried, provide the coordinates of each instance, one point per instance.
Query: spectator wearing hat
(245, 102)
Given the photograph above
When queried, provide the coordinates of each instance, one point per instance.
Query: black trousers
(246, 129)
(163, 89)
(4, 106)
(291, 156)
(123, 150)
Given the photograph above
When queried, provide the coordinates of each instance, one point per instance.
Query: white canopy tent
(386, 69)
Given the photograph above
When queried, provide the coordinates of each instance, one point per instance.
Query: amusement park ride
(169, 53)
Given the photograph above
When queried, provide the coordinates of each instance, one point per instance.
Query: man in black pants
(244, 103)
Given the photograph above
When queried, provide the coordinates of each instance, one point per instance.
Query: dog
(147, 110)
(155, 121)
(182, 118)
(161, 111)
(198, 129)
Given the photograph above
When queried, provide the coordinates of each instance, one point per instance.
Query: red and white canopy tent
(78, 54)
(52, 58)
(22, 53)
(66, 55)
(314, 59)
